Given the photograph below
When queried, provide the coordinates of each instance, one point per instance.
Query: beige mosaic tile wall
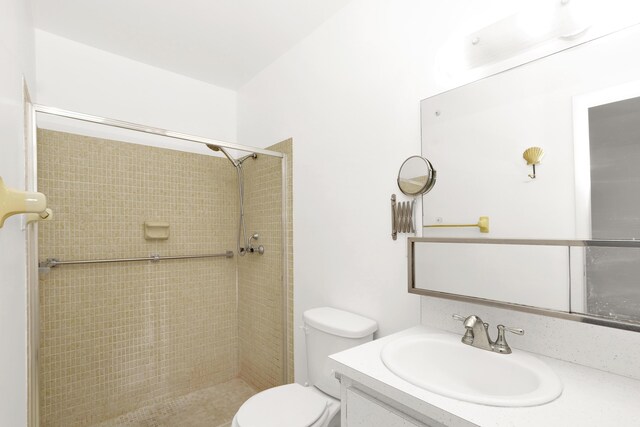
(116, 337)
(260, 276)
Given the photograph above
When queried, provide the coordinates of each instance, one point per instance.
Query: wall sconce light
(533, 156)
(13, 202)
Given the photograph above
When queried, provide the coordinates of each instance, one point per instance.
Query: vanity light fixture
(535, 23)
(533, 156)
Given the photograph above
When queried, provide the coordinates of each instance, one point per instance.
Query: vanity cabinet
(362, 410)
(364, 407)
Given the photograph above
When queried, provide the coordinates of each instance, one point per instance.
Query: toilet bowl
(290, 405)
(327, 331)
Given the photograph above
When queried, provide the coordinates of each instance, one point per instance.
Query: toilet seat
(290, 405)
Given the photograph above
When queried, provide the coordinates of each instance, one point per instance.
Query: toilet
(327, 331)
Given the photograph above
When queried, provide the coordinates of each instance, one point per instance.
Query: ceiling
(222, 42)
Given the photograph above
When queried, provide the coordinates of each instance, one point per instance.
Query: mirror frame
(578, 317)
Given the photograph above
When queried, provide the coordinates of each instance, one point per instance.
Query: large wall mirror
(582, 106)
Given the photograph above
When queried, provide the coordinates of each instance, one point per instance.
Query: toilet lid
(290, 405)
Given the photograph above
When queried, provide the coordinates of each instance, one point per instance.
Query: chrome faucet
(251, 249)
(477, 334)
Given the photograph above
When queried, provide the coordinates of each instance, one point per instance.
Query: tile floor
(210, 407)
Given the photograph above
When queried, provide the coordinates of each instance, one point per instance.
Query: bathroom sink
(440, 363)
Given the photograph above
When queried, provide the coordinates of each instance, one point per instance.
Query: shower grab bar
(53, 262)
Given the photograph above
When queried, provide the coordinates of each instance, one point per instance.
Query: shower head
(218, 148)
(235, 162)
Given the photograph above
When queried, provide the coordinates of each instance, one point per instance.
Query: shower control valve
(251, 248)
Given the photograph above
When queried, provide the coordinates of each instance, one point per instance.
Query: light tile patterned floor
(211, 407)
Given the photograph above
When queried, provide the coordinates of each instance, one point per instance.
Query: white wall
(349, 95)
(16, 57)
(81, 78)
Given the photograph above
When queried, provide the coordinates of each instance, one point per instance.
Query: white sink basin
(442, 364)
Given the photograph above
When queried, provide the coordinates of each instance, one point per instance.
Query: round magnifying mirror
(417, 176)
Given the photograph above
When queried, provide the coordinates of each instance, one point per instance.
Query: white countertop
(590, 397)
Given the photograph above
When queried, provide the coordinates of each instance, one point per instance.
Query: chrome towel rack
(53, 262)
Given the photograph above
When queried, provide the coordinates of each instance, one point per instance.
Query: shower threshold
(210, 407)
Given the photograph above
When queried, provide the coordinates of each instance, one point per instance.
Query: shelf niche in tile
(156, 230)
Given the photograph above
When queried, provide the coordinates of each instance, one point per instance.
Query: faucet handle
(516, 331)
(501, 346)
(458, 317)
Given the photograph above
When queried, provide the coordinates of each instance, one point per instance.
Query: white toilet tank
(328, 331)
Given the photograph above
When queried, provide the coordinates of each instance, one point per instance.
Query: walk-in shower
(132, 330)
